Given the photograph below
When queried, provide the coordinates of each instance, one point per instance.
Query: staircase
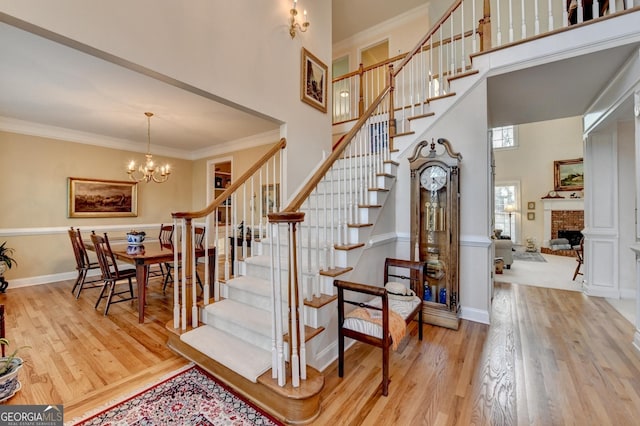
(273, 356)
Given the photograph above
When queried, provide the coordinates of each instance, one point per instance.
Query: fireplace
(562, 214)
(574, 236)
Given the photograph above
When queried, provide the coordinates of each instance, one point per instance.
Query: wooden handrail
(281, 144)
(306, 190)
(400, 56)
(432, 31)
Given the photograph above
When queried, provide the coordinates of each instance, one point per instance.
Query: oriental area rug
(189, 397)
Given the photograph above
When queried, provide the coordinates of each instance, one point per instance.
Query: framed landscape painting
(313, 87)
(102, 198)
(568, 175)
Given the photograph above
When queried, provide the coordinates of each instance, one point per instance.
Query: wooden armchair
(379, 333)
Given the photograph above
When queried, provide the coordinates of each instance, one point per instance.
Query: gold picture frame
(531, 205)
(531, 216)
(102, 198)
(313, 81)
(568, 175)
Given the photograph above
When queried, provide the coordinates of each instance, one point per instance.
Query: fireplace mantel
(557, 204)
(563, 204)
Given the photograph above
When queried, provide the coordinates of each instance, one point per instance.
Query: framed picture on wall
(531, 216)
(568, 175)
(313, 84)
(102, 198)
(531, 205)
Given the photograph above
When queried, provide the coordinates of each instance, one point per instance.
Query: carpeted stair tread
(247, 316)
(251, 284)
(247, 360)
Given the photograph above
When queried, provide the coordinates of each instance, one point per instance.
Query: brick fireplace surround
(562, 215)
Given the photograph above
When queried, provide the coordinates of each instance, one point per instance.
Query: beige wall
(531, 164)
(36, 171)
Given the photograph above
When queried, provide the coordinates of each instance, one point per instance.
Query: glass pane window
(506, 198)
(503, 137)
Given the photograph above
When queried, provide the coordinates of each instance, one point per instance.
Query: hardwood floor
(550, 357)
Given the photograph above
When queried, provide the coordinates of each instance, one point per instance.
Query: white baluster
(293, 311)
(510, 21)
(474, 36)
(536, 25)
(463, 62)
(302, 360)
(183, 277)
(524, 22)
(498, 23)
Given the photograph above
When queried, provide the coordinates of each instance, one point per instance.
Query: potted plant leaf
(6, 262)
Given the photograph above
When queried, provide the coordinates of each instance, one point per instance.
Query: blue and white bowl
(134, 239)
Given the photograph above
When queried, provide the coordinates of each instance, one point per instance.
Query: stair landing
(289, 405)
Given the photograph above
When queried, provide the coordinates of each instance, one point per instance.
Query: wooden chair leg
(104, 287)
(112, 287)
(577, 271)
(385, 371)
(341, 355)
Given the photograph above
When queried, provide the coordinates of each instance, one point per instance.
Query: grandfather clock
(435, 228)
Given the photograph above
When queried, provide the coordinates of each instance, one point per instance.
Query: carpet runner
(190, 397)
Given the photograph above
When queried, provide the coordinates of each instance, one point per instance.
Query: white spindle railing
(448, 52)
(243, 206)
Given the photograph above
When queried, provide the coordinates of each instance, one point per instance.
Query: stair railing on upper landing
(234, 220)
(467, 28)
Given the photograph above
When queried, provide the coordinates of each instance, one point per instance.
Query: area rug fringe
(129, 395)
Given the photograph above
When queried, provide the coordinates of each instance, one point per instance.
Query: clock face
(433, 178)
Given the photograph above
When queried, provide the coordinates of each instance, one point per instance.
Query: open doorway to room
(524, 157)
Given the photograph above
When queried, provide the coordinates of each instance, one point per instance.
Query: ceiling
(349, 17)
(51, 84)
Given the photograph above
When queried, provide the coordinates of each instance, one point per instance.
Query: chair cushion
(402, 307)
(398, 291)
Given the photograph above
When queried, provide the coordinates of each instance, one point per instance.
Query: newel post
(484, 27)
(392, 119)
(297, 350)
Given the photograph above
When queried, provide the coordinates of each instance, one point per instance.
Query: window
(506, 198)
(503, 137)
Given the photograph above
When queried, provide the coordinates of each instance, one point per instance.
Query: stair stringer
(439, 107)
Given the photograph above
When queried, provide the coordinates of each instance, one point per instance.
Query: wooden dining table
(151, 253)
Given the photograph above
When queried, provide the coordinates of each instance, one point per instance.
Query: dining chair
(198, 242)
(83, 263)
(111, 274)
(579, 258)
(165, 237)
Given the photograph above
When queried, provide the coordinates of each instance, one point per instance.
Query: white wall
(469, 140)
(238, 50)
(626, 212)
(531, 164)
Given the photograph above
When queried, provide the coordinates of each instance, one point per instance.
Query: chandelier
(149, 171)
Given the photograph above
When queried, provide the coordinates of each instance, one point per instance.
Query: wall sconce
(293, 24)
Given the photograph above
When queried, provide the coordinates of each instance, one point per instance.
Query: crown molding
(60, 133)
